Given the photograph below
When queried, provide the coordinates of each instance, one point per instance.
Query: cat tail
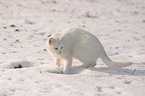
(113, 64)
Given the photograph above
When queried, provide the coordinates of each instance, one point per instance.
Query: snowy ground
(24, 29)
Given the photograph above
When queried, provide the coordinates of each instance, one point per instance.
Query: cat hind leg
(93, 65)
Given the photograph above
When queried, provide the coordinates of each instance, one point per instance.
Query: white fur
(79, 44)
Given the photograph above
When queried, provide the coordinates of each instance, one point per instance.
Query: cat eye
(56, 48)
(61, 47)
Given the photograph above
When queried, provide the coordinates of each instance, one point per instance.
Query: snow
(119, 24)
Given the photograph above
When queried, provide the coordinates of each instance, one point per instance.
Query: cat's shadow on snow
(119, 71)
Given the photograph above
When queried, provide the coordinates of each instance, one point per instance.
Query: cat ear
(61, 37)
(51, 40)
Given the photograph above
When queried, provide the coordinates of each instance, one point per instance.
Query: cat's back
(71, 31)
(77, 33)
(80, 37)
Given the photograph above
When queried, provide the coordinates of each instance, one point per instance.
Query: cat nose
(59, 52)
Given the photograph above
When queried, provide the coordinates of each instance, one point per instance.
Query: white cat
(79, 44)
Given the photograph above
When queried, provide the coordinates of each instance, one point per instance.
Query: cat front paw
(65, 71)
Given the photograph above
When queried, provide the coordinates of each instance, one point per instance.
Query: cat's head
(55, 46)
